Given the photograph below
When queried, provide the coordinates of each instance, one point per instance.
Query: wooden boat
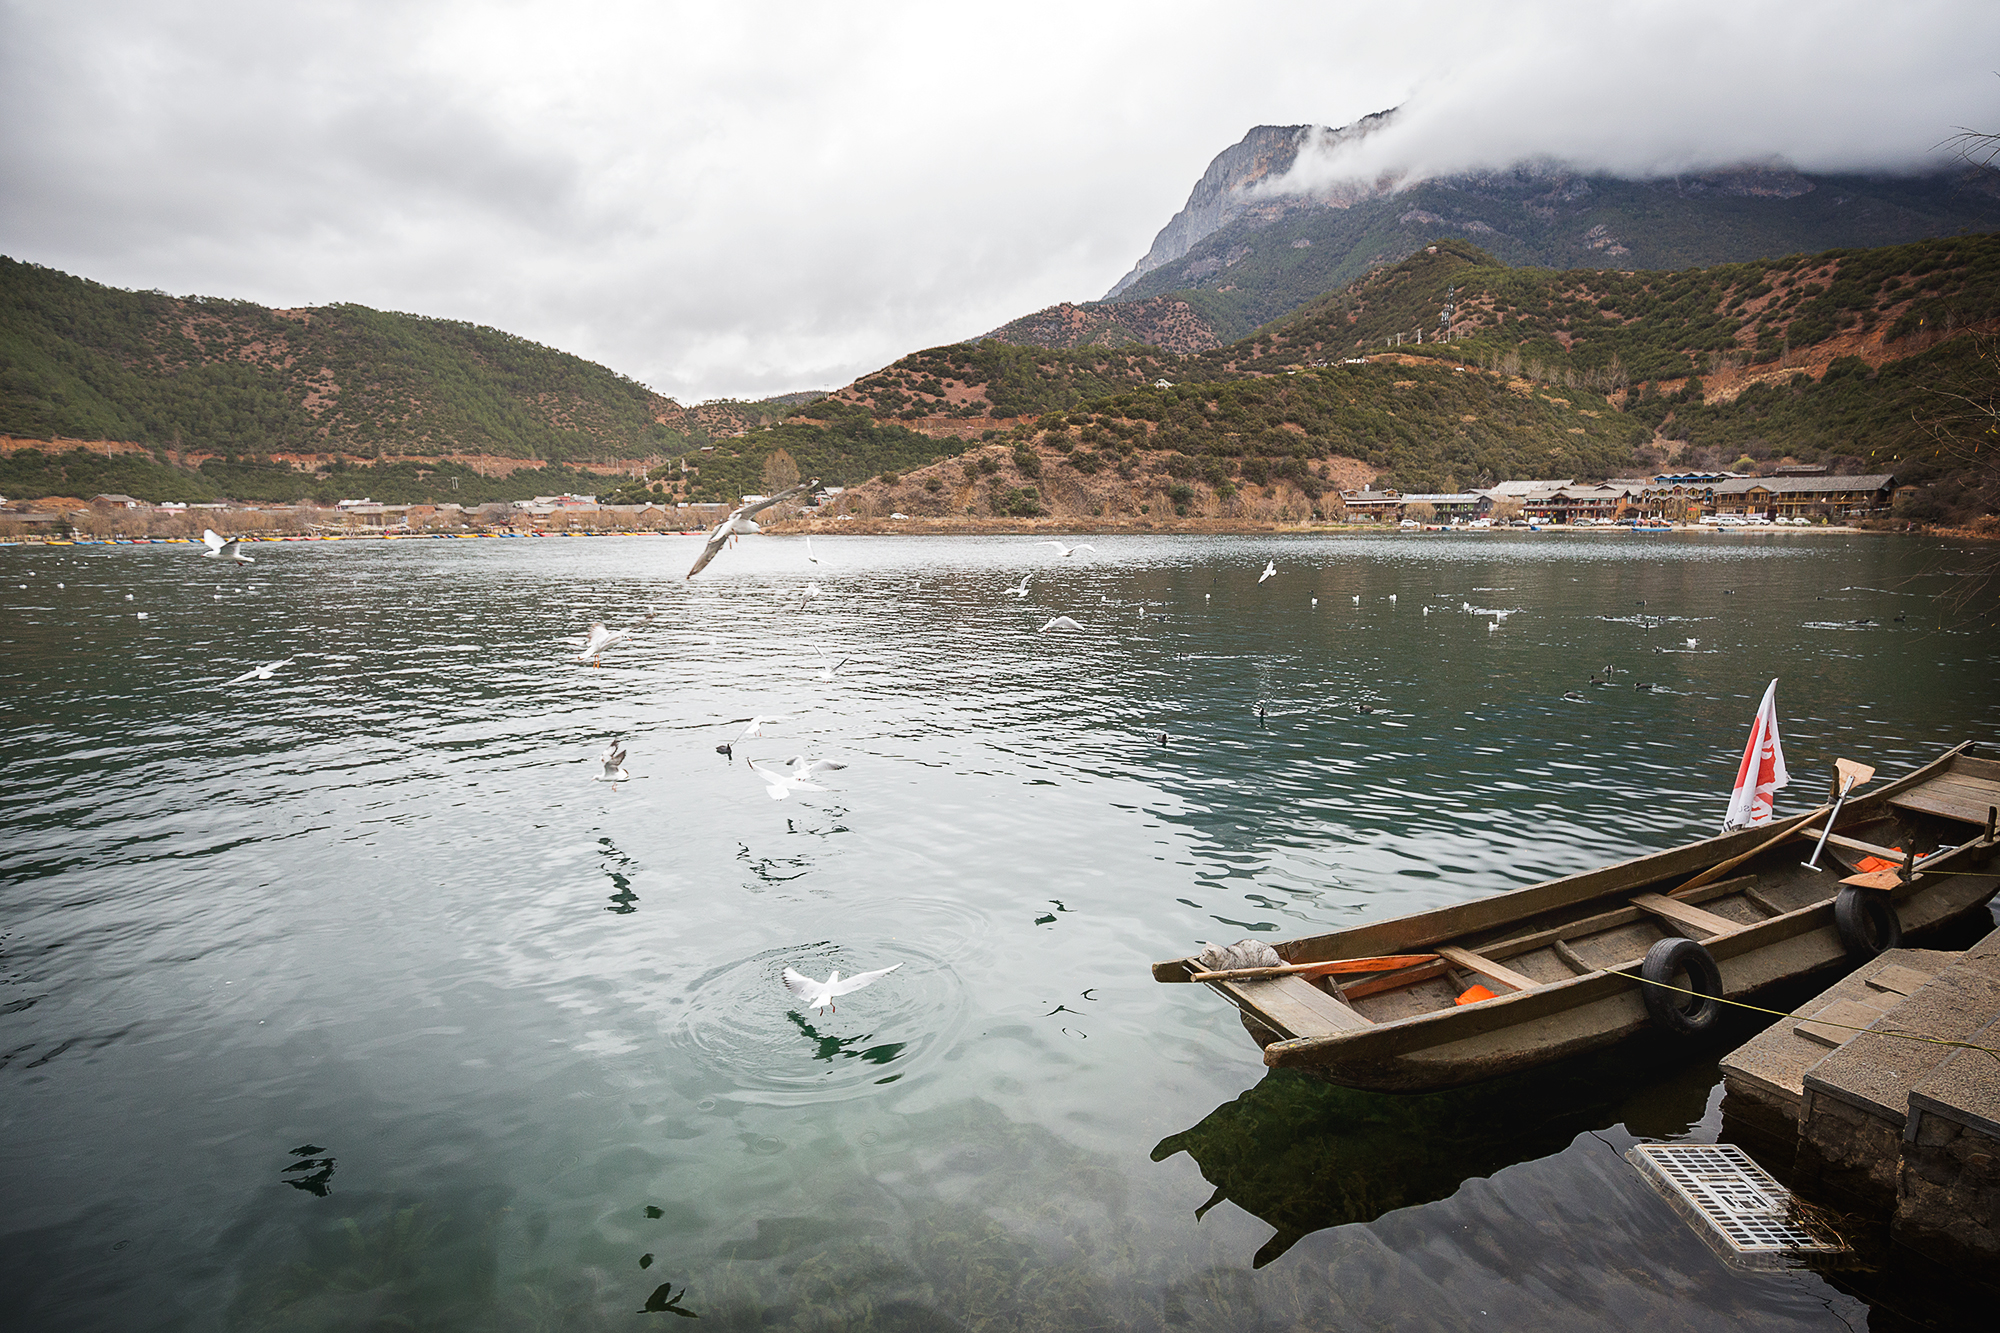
(1401, 1006)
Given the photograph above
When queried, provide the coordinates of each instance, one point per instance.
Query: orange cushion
(1474, 996)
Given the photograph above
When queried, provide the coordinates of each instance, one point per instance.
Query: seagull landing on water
(740, 523)
(613, 760)
(1270, 569)
(1060, 622)
(224, 548)
(796, 774)
(264, 672)
(1067, 551)
(1020, 589)
(820, 994)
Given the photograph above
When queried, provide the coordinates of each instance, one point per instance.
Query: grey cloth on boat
(1243, 953)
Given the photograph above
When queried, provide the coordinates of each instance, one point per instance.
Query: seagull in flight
(1067, 551)
(809, 549)
(820, 994)
(827, 665)
(1060, 622)
(796, 774)
(264, 672)
(602, 637)
(224, 548)
(740, 523)
(613, 760)
(1020, 589)
(1270, 568)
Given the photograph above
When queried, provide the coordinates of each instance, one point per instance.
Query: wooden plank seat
(1956, 796)
(1681, 914)
(1485, 967)
(1297, 1005)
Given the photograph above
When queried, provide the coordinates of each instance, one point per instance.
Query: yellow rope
(1825, 1022)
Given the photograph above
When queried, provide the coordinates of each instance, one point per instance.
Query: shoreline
(1018, 527)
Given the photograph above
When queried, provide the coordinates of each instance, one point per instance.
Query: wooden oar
(1336, 966)
(1721, 868)
(1850, 775)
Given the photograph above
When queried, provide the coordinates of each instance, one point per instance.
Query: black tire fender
(1686, 1015)
(1867, 921)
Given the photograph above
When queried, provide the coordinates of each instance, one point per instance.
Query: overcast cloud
(741, 200)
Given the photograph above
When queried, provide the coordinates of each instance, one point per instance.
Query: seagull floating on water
(1060, 622)
(820, 994)
(264, 672)
(1066, 551)
(740, 524)
(224, 548)
(613, 760)
(1574, 697)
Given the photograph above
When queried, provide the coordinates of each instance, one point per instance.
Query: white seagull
(264, 672)
(1060, 622)
(600, 639)
(613, 760)
(809, 549)
(754, 726)
(1020, 589)
(1693, 642)
(1067, 551)
(795, 775)
(820, 994)
(1270, 568)
(225, 548)
(1357, 599)
(827, 665)
(739, 523)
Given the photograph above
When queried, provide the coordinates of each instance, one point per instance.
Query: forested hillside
(206, 376)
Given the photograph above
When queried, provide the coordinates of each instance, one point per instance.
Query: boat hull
(1568, 952)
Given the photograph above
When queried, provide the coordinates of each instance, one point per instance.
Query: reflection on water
(397, 1018)
(1303, 1155)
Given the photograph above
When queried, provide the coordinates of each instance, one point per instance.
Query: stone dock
(1875, 1097)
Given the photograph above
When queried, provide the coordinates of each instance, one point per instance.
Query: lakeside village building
(1673, 497)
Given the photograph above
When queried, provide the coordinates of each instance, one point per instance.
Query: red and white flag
(1762, 771)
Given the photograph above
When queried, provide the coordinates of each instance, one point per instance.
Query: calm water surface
(348, 999)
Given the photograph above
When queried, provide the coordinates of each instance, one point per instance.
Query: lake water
(348, 999)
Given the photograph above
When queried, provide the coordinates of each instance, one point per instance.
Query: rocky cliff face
(1220, 196)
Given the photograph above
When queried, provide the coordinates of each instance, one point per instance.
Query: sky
(747, 199)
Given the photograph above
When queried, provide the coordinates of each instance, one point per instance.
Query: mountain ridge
(1240, 253)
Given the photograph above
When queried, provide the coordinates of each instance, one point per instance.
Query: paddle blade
(1850, 772)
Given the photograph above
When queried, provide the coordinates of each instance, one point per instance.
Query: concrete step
(1855, 1104)
(1765, 1077)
